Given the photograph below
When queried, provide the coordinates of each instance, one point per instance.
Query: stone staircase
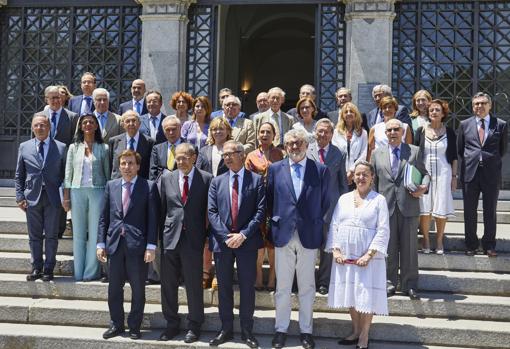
(465, 301)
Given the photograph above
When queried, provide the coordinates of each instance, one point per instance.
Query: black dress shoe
(348, 341)
(360, 347)
(390, 290)
(169, 334)
(490, 253)
(135, 334)
(104, 279)
(221, 337)
(113, 331)
(470, 253)
(34, 275)
(248, 338)
(47, 276)
(323, 290)
(279, 340)
(191, 336)
(413, 295)
(152, 282)
(307, 341)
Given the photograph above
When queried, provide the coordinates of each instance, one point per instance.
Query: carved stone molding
(369, 9)
(172, 9)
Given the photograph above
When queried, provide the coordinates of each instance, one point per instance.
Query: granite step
(15, 336)
(502, 217)
(465, 282)
(19, 262)
(434, 331)
(431, 304)
(502, 206)
(20, 243)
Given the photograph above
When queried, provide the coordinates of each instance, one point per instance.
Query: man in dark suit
(109, 123)
(138, 102)
(481, 143)
(404, 207)
(163, 154)
(243, 130)
(83, 104)
(262, 105)
(127, 235)
(297, 200)
(39, 174)
(307, 90)
(324, 152)
(183, 210)
(152, 122)
(236, 209)
(376, 115)
(131, 139)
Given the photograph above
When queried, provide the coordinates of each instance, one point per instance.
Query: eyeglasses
(296, 143)
(229, 155)
(394, 129)
(478, 104)
(182, 158)
(230, 105)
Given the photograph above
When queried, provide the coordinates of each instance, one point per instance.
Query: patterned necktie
(132, 144)
(170, 158)
(126, 197)
(394, 165)
(321, 155)
(234, 207)
(53, 124)
(41, 150)
(185, 190)
(481, 131)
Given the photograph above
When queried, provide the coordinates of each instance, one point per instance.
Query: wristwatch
(372, 253)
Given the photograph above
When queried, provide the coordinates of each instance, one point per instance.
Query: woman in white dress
(351, 138)
(419, 115)
(439, 149)
(306, 110)
(377, 137)
(358, 237)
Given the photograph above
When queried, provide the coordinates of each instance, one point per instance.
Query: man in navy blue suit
(297, 201)
(236, 208)
(152, 122)
(83, 104)
(127, 235)
(138, 102)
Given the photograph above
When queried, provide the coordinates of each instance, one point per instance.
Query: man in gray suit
(109, 123)
(404, 207)
(327, 154)
(184, 196)
(39, 175)
(243, 130)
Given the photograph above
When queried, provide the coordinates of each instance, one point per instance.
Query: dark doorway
(266, 46)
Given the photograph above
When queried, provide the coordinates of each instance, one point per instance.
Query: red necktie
(185, 190)
(481, 131)
(321, 155)
(234, 207)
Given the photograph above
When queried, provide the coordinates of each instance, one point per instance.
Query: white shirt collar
(133, 181)
(391, 148)
(174, 144)
(302, 162)
(240, 173)
(486, 119)
(58, 111)
(46, 141)
(136, 137)
(190, 175)
(155, 116)
(326, 148)
(135, 101)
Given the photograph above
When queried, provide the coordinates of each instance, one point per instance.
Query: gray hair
(277, 90)
(100, 90)
(188, 148)
(235, 98)
(40, 115)
(308, 86)
(51, 89)
(298, 133)
(382, 88)
(482, 94)
(365, 163)
(400, 124)
(225, 89)
(130, 113)
(325, 121)
(238, 145)
(170, 118)
(346, 89)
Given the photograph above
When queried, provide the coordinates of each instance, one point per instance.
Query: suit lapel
(287, 177)
(246, 184)
(109, 123)
(331, 155)
(314, 152)
(134, 193)
(405, 154)
(224, 192)
(163, 153)
(474, 130)
(175, 185)
(49, 161)
(386, 161)
(117, 197)
(493, 122)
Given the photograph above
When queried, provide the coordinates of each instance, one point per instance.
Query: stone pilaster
(369, 30)
(163, 56)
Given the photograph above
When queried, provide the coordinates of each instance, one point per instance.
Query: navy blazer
(140, 222)
(306, 214)
(74, 104)
(159, 157)
(204, 161)
(146, 129)
(124, 107)
(118, 144)
(66, 126)
(31, 174)
(251, 211)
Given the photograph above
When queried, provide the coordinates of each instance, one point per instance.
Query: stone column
(164, 32)
(369, 31)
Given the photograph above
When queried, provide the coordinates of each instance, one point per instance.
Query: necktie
(231, 121)
(481, 131)
(126, 197)
(170, 158)
(53, 124)
(296, 179)
(88, 101)
(279, 130)
(234, 207)
(41, 150)
(394, 165)
(185, 190)
(153, 121)
(132, 144)
(102, 120)
(321, 155)
(138, 107)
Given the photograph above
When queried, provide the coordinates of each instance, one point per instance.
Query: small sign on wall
(365, 100)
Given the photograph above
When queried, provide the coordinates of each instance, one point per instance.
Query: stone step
(489, 334)
(7, 201)
(15, 336)
(7, 191)
(458, 261)
(19, 262)
(20, 243)
(482, 283)
(431, 304)
(501, 217)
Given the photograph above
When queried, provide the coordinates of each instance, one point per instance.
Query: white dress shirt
(181, 179)
(297, 182)
(46, 147)
(240, 176)
(136, 137)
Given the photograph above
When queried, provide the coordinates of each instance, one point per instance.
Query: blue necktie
(88, 99)
(132, 144)
(153, 120)
(296, 179)
(138, 108)
(394, 165)
(232, 122)
(41, 150)
(53, 124)
(102, 120)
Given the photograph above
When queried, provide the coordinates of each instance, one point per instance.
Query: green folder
(412, 177)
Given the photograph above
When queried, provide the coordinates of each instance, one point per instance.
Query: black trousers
(182, 263)
(489, 187)
(325, 262)
(124, 266)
